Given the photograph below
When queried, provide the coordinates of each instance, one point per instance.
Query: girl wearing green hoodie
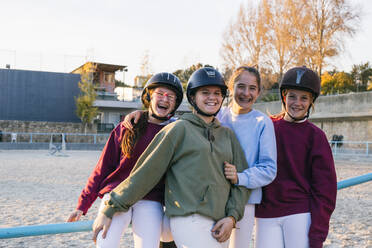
(203, 206)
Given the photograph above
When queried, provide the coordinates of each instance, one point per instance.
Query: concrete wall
(349, 115)
(24, 128)
(45, 146)
(44, 127)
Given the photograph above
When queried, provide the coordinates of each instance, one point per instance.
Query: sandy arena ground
(39, 189)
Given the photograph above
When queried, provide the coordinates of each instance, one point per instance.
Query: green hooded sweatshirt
(191, 153)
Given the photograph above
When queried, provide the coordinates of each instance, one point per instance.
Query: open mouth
(245, 100)
(162, 107)
(297, 110)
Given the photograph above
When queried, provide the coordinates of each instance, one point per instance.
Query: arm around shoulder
(149, 169)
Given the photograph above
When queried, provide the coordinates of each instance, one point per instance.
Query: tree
(84, 103)
(145, 68)
(299, 31)
(278, 34)
(340, 82)
(282, 41)
(185, 74)
(329, 23)
(361, 75)
(244, 40)
(327, 83)
(119, 83)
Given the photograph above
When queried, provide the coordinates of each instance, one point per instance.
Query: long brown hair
(131, 136)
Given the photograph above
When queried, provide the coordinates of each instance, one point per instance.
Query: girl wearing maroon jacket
(162, 95)
(296, 207)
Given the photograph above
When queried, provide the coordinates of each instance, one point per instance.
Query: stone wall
(44, 127)
(349, 115)
(24, 128)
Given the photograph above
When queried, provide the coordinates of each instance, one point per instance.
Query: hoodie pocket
(213, 202)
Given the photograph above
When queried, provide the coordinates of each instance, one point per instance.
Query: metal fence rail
(83, 226)
(38, 230)
(354, 181)
(363, 148)
(81, 138)
(360, 148)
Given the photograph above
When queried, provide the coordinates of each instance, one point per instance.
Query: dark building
(38, 96)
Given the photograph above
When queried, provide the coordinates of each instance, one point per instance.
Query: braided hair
(131, 136)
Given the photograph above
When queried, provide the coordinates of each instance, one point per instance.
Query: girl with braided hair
(161, 96)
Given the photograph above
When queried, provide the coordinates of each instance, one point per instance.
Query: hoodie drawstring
(210, 137)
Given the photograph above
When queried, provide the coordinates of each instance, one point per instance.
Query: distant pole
(124, 71)
(63, 143)
(51, 142)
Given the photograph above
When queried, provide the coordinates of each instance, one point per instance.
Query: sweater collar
(196, 120)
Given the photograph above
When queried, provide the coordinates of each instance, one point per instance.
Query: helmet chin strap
(298, 119)
(199, 111)
(160, 118)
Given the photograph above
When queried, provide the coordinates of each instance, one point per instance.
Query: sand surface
(39, 189)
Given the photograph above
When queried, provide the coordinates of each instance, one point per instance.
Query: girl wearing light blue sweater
(255, 133)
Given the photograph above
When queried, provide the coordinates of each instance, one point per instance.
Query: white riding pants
(288, 231)
(241, 235)
(194, 231)
(146, 217)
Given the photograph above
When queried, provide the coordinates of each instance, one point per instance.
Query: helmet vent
(300, 73)
(210, 73)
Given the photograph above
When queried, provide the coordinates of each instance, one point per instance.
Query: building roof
(103, 67)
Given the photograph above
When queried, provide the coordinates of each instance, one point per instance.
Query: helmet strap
(298, 119)
(199, 111)
(160, 118)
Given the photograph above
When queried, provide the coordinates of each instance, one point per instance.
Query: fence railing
(338, 147)
(84, 226)
(351, 147)
(81, 138)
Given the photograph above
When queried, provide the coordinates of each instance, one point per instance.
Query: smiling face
(163, 101)
(245, 93)
(297, 103)
(208, 99)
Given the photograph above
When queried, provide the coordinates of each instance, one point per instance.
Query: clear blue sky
(59, 35)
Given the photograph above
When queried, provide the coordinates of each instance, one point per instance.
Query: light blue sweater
(256, 135)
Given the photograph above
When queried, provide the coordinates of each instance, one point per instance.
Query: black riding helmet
(206, 76)
(300, 78)
(163, 79)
